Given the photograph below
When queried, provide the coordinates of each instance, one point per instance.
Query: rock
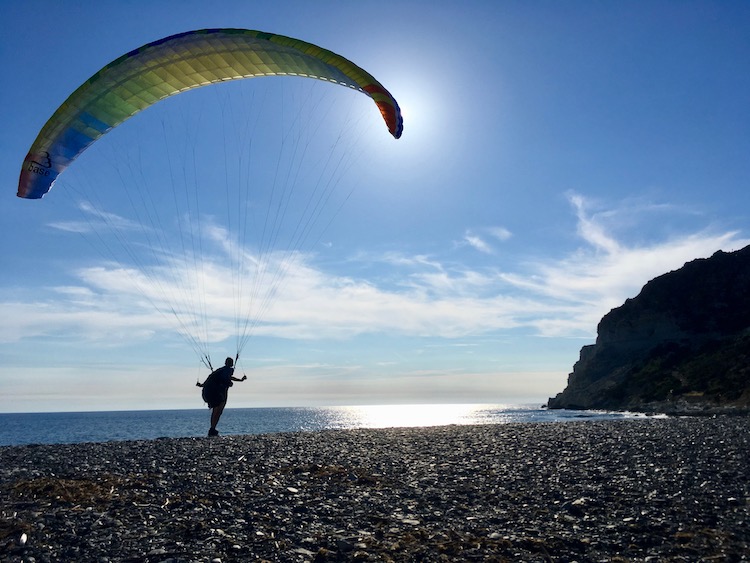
(666, 488)
(344, 546)
(681, 345)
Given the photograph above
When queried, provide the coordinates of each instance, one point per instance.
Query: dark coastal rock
(681, 345)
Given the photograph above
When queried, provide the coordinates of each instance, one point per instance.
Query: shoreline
(629, 490)
(105, 426)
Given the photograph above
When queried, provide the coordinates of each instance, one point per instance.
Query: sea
(76, 427)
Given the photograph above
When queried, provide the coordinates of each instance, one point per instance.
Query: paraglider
(215, 390)
(159, 70)
(172, 65)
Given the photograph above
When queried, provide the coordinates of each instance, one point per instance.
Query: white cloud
(399, 259)
(601, 275)
(500, 233)
(94, 218)
(565, 297)
(477, 239)
(590, 230)
(476, 242)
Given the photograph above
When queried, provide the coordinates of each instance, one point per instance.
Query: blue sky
(555, 157)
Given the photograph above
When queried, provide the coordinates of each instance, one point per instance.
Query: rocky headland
(681, 346)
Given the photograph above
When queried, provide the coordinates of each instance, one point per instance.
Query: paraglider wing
(172, 65)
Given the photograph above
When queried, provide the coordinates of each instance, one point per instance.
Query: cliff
(681, 345)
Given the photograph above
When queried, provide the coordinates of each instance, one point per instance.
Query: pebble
(674, 489)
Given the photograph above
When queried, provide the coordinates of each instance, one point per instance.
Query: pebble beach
(656, 489)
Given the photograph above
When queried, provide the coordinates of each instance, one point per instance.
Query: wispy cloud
(602, 273)
(478, 238)
(500, 233)
(590, 230)
(477, 243)
(92, 218)
(563, 297)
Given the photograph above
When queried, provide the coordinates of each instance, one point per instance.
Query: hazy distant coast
(665, 489)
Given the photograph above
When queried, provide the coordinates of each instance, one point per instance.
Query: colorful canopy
(170, 66)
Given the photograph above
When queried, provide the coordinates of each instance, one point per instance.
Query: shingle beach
(655, 489)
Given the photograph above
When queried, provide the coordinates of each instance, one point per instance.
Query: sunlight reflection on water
(387, 416)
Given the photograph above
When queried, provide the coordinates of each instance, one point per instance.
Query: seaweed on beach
(56, 490)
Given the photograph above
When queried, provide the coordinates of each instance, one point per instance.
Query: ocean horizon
(105, 426)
